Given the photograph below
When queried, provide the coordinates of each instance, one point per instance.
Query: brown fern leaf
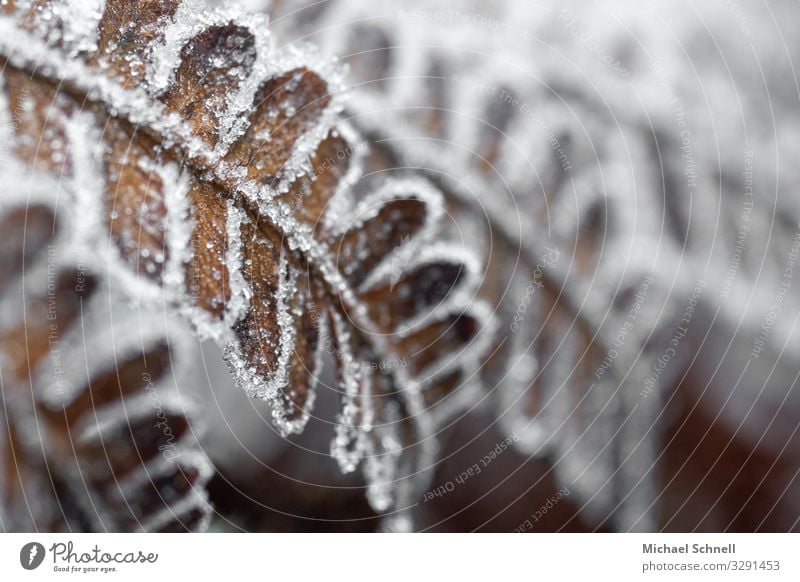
(214, 172)
(566, 260)
(97, 440)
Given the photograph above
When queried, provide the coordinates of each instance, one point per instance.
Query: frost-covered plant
(96, 434)
(211, 175)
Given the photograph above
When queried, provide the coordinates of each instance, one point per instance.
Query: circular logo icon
(31, 555)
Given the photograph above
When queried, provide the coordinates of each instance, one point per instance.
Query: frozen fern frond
(574, 224)
(98, 437)
(216, 178)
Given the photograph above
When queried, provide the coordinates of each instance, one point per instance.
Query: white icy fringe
(360, 437)
(71, 24)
